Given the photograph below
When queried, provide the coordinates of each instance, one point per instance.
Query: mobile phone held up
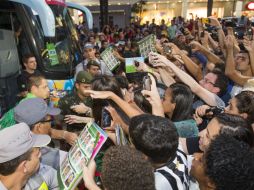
(147, 83)
(205, 20)
(105, 118)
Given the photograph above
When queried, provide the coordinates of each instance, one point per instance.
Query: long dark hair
(183, 98)
(106, 83)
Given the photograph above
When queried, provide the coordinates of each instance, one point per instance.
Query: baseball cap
(33, 110)
(88, 45)
(92, 62)
(17, 140)
(84, 77)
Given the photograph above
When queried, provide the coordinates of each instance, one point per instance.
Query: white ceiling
(124, 2)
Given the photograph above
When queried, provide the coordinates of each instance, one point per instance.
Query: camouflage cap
(84, 77)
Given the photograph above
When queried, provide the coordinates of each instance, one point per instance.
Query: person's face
(206, 135)
(42, 91)
(32, 165)
(31, 64)
(232, 107)
(92, 40)
(242, 62)
(168, 106)
(81, 87)
(94, 70)
(208, 83)
(198, 169)
(105, 44)
(89, 53)
(182, 39)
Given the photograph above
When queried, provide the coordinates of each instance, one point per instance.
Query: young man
(30, 65)
(35, 113)
(78, 103)
(220, 124)
(123, 168)
(37, 87)
(20, 160)
(93, 68)
(227, 164)
(156, 137)
(89, 54)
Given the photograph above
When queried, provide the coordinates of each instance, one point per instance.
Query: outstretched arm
(202, 93)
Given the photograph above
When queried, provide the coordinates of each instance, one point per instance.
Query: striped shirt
(174, 175)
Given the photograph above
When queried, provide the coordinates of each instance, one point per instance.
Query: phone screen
(147, 83)
(105, 118)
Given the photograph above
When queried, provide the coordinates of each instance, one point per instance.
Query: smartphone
(167, 49)
(105, 118)
(147, 83)
(205, 20)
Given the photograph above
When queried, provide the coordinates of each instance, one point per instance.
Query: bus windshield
(61, 53)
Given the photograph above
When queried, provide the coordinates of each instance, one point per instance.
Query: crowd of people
(187, 113)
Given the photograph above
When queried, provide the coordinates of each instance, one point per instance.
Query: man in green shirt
(77, 103)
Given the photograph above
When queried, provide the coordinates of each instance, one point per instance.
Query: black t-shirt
(192, 145)
(23, 79)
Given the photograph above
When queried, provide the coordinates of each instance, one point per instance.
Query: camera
(214, 110)
(167, 49)
(249, 33)
(105, 118)
(147, 83)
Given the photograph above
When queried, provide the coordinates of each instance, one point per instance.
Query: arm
(65, 135)
(167, 79)
(249, 46)
(192, 67)
(230, 70)
(125, 106)
(202, 93)
(210, 56)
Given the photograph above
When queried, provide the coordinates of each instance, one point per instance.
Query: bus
(45, 29)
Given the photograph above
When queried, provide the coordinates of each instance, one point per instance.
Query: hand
(142, 67)
(70, 119)
(229, 42)
(152, 96)
(201, 110)
(214, 21)
(88, 176)
(198, 119)
(249, 45)
(158, 60)
(116, 54)
(70, 137)
(195, 46)
(81, 108)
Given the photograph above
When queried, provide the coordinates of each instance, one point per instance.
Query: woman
(177, 105)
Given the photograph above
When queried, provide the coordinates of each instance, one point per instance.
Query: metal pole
(103, 12)
(209, 7)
